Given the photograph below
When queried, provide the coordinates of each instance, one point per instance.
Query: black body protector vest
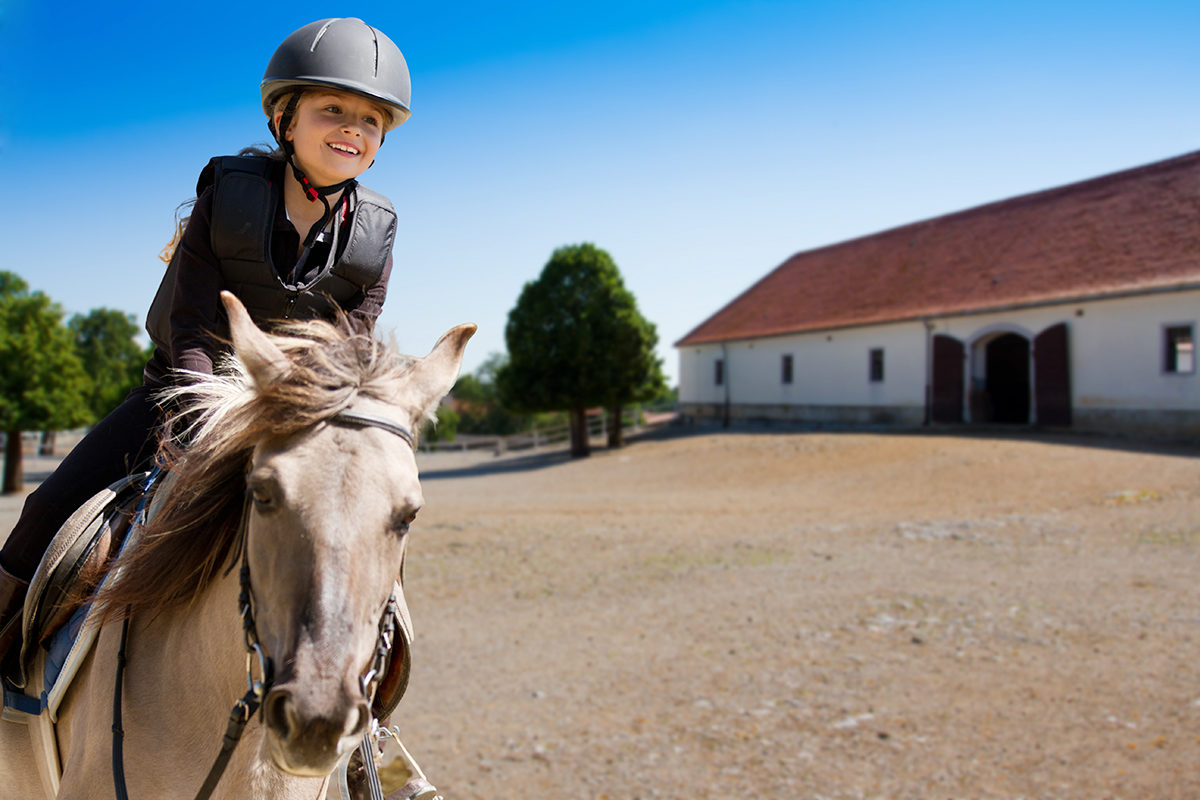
(243, 216)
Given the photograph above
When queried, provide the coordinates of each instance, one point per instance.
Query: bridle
(247, 705)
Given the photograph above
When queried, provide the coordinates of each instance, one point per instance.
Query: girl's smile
(336, 135)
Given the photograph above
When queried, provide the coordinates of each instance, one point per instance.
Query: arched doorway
(1006, 379)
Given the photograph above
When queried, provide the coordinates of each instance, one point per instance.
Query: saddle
(85, 544)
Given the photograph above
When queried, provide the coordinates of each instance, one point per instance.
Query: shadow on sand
(499, 466)
(547, 459)
(1151, 445)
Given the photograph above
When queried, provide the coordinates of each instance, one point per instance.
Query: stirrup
(399, 774)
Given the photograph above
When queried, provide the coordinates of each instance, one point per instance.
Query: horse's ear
(433, 376)
(265, 362)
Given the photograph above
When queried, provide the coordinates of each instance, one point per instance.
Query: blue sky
(700, 143)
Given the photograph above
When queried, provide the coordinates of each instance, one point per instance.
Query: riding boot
(12, 606)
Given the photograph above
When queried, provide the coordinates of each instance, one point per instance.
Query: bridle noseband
(246, 706)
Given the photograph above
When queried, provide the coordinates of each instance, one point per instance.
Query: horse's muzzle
(307, 737)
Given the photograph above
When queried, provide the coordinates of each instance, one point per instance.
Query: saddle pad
(87, 534)
(65, 652)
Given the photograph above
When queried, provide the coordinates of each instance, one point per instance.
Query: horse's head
(328, 511)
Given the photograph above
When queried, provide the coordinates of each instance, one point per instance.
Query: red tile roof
(1129, 231)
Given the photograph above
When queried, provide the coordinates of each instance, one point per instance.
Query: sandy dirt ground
(809, 615)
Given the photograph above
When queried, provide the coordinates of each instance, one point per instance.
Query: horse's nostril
(277, 712)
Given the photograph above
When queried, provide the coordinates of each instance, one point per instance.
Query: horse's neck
(186, 667)
(195, 648)
(201, 671)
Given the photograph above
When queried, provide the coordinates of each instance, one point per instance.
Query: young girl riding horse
(292, 235)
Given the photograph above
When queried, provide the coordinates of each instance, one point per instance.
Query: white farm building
(1075, 306)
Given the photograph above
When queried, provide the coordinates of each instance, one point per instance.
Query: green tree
(576, 341)
(478, 402)
(444, 429)
(42, 380)
(105, 340)
(634, 371)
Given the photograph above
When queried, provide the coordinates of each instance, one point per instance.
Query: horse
(298, 464)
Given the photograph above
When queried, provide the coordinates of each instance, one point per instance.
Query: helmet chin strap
(313, 193)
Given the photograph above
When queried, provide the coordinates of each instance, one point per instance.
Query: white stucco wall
(830, 368)
(1121, 354)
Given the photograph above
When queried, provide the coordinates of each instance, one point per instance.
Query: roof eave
(965, 311)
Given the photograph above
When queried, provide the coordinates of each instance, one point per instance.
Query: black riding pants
(110, 451)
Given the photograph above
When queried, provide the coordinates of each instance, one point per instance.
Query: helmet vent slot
(320, 35)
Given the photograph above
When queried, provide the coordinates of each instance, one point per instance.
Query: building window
(786, 369)
(877, 365)
(1179, 352)
(719, 372)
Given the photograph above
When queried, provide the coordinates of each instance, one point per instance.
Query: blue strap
(17, 700)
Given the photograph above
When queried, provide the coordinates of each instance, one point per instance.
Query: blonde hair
(181, 221)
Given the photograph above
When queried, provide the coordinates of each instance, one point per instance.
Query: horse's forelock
(225, 416)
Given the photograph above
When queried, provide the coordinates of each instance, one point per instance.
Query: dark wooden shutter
(948, 354)
(1052, 375)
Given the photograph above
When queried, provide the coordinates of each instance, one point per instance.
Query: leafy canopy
(577, 340)
(42, 382)
(105, 340)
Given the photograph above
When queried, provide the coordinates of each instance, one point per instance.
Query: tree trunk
(580, 447)
(14, 474)
(616, 437)
(49, 439)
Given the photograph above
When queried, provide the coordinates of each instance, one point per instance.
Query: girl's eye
(371, 121)
(333, 109)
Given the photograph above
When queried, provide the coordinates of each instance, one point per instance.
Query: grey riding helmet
(342, 53)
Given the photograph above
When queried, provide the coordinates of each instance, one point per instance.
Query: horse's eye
(402, 521)
(263, 498)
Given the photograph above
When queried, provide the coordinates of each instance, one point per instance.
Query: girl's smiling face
(336, 135)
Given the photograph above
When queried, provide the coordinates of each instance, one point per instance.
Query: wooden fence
(632, 421)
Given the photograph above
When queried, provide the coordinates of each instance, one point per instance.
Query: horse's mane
(218, 421)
